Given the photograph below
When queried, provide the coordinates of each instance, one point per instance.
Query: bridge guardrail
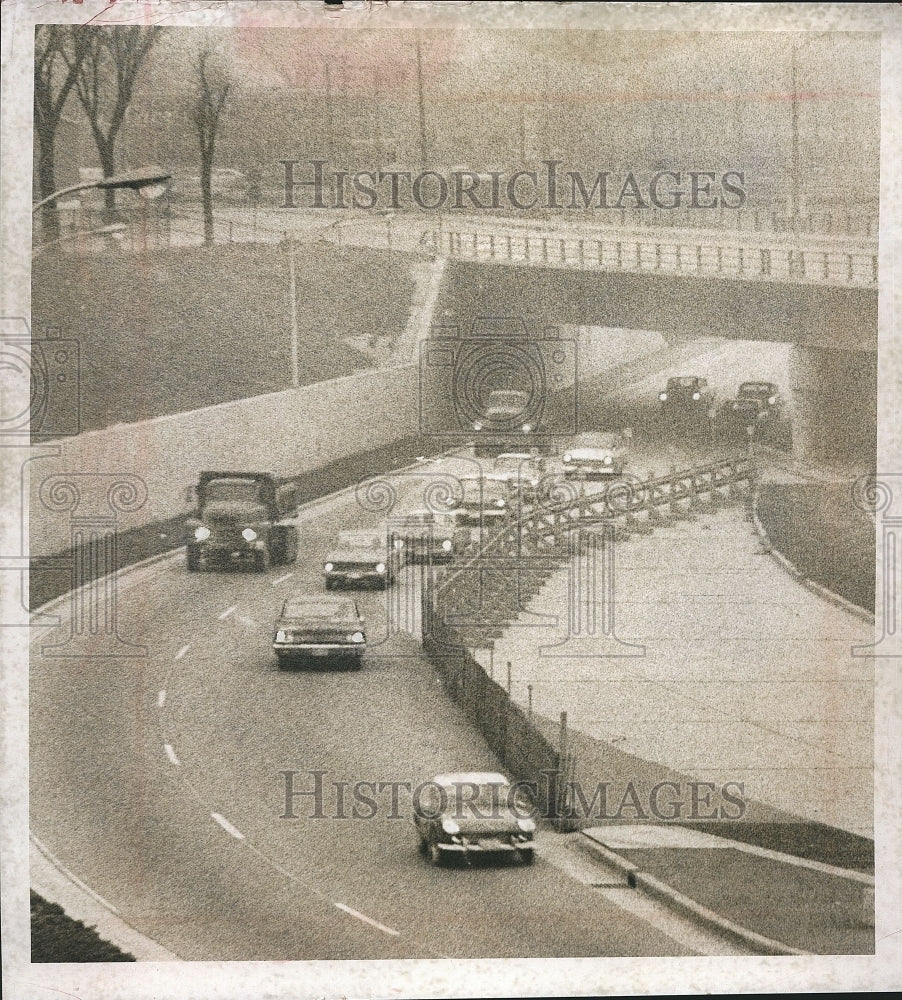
(755, 259)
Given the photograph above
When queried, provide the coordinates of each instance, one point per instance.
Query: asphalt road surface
(157, 781)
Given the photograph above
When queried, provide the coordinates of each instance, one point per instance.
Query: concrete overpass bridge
(816, 292)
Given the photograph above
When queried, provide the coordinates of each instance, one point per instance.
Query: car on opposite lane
(484, 499)
(473, 813)
(686, 396)
(320, 628)
(523, 471)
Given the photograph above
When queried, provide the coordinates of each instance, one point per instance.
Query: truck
(242, 518)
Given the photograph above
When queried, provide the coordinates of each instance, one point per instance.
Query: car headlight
(447, 545)
(771, 400)
(450, 827)
(477, 426)
(662, 396)
(533, 482)
(735, 406)
(607, 460)
(526, 825)
(281, 635)
(500, 503)
(527, 428)
(248, 534)
(567, 456)
(202, 533)
(696, 395)
(380, 567)
(329, 567)
(356, 637)
(399, 543)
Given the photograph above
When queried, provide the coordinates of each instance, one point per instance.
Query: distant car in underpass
(484, 499)
(320, 628)
(473, 813)
(758, 407)
(505, 424)
(686, 396)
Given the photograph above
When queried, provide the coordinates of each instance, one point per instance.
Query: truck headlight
(380, 567)
(662, 396)
(607, 460)
(202, 533)
(567, 456)
(356, 637)
(281, 635)
(527, 428)
(771, 400)
(735, 406)
(696, 395)
(249, 534)
(447, 545)
(500, 503)
(450, 826)
(328, 567)
(477, 426)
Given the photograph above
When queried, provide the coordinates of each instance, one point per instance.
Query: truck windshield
(232, 489)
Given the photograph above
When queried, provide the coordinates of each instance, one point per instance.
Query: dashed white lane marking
(367, 920)
(282, 579)
(228, 611)
(170, 753)
(227, 826)
(161, 699)
(182, 652)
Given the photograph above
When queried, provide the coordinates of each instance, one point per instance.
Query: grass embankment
(56, 937)
(180, 329)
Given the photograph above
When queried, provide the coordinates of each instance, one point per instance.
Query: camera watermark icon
(42, 399)
(880, 495)
(498, 386)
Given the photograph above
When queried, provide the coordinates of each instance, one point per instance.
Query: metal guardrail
(483, 592)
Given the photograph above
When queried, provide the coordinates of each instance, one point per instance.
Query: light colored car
(360, 557)
(318, 627)
(472, 813)
(594, 457)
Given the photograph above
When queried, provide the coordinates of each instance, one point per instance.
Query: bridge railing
(800, 260)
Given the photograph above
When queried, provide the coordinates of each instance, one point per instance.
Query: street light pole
(139, 180)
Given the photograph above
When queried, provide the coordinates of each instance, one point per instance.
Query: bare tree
(105, 83)
(213, 87)
(58, 54)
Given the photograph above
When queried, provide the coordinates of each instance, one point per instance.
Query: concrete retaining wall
(287, 433)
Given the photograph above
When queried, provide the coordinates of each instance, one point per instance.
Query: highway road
(158, 781)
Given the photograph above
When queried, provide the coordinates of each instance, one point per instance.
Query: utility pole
(794, 181)
(422, 103)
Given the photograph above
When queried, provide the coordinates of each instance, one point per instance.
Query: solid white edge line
(182, 652)
(227, 826)
(72, 878)
(170, 753)
(367, 920)
(282, 579)
(228, 611)
(161, 699)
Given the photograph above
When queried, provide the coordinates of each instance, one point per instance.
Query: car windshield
(420, 517)
(464, 797)
(756, 389)
(232, 489)
(318, 607)
(684, 382)
(508, 399)
(359, 540)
